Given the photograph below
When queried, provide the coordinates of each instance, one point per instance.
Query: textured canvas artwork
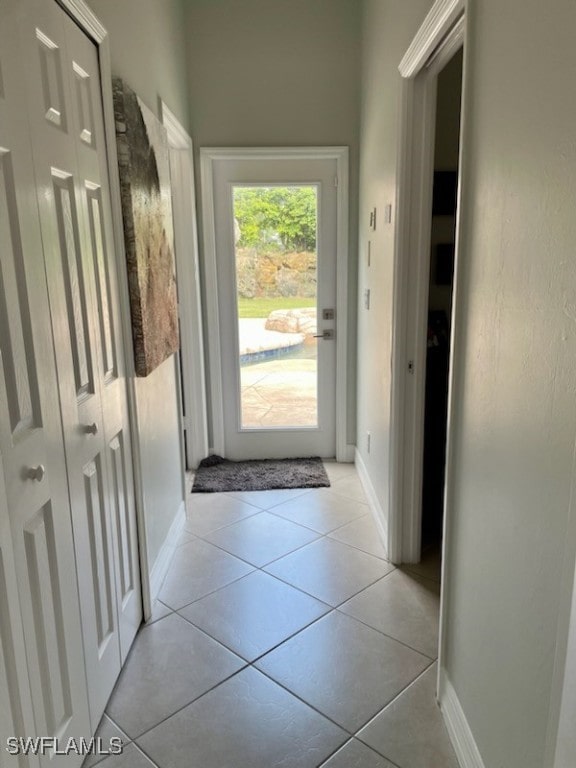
(147, 212)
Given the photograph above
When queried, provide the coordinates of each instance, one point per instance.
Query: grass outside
(262, 307)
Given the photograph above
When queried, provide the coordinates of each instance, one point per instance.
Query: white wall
(515, 373)
(148, 45)
(281, 73)
(514, 415)
(388, 27)
(148, 51)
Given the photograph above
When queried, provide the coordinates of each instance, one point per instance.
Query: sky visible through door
(275, 235)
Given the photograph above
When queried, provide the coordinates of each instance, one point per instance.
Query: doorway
(423, 62)
(440, 289)
(275, 276)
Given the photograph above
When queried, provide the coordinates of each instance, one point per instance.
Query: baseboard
(375, 506)
(347, 454)
(160, 568)
(459, 731)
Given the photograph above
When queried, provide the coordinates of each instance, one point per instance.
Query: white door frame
(439, 37)
(93, 28)
(441, 34)
(208, 156)
(189, 303)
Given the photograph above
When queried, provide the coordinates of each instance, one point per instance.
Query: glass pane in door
(275, 235)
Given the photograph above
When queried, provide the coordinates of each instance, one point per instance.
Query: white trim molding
(178, 138)
(211, 295)
(378, 514)
(164, 558)
(432, 32)
(349, 455)
(208, 156)
(191, 359)
(85, 18)
(439, 37)
(457, 725)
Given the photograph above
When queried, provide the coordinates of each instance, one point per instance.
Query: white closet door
(16, 718)
(70, 159)
(88, 129)
(30, 427)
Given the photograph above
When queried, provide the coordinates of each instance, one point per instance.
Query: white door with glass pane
(275, 232)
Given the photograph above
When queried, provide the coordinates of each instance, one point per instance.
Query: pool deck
(254, 337)
(276, 392)
(279, 393)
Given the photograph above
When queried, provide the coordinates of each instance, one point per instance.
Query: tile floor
(283, 638)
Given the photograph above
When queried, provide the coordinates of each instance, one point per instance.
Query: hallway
(283, 637)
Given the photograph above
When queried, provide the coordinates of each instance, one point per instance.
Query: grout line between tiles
(352, 734)
(354, 738)
(265, 653)
(266, 509)
(389, 704)
(146, 755)
(385, 634)
(327, 534)
(264, 565)
(115, 724)
(301, 525)
(177, 711)
(335, 752)
(220, 527)
(321, 599)
(307, 703)
(254, 569)
(212, 591)
(355, 546)
(309, 526)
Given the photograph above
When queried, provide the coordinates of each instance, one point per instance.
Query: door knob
(91, 429)
(36, 473)
(328, 335)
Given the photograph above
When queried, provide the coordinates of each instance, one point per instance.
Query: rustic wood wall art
(143, 161)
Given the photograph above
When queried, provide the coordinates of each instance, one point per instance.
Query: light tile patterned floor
(283, 638)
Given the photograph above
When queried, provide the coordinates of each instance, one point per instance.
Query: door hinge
(335, 181)
(410, 366)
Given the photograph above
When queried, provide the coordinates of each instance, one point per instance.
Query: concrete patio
(281, 391)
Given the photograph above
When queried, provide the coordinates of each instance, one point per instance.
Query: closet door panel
(71, 277)
(87, 123)
(16, 718)
(78, 218)
(30, 429)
